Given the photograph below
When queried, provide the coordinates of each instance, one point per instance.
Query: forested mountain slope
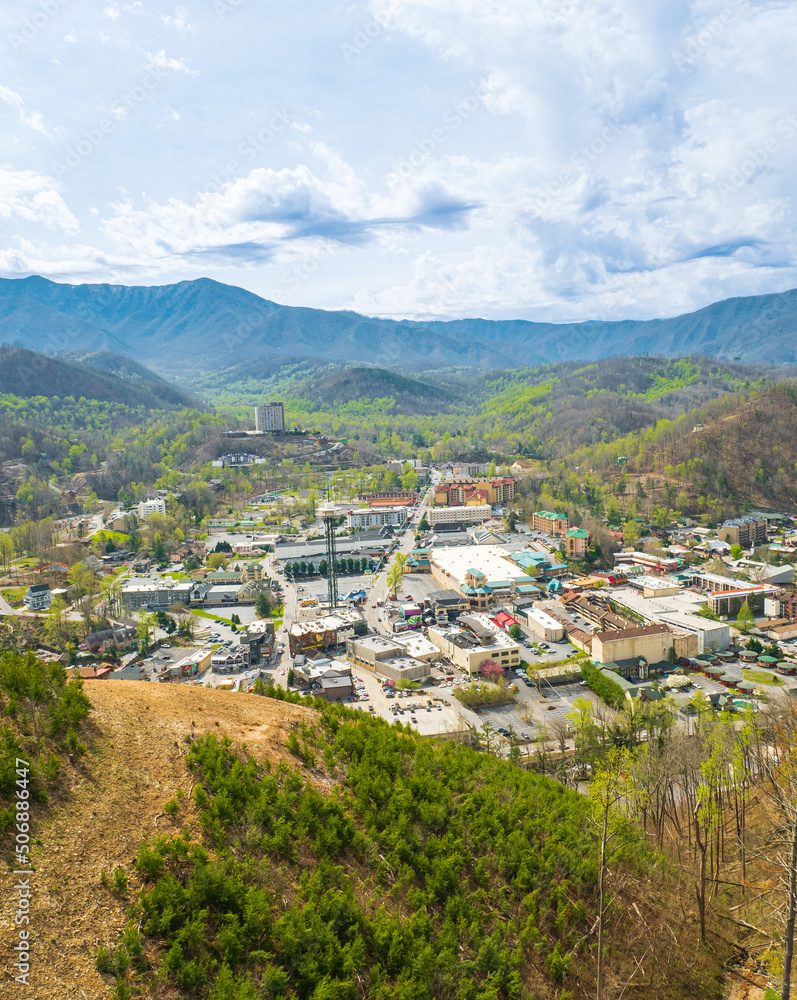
(198, 323)
(234, 847)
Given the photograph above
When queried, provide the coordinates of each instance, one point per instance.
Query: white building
(458, 515)
(377, 517)
(270, 417)
(544, 626)
(152, 505)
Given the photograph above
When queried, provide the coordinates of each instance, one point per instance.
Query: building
(550, 522)
(324, 678)
(746, 531)
(576, 543)
(156, 595)
(647, 560)
(725, 595)
(459, 515)
(377, 517)
(325, 632)
(38, 597)
(152, 505)
(650, 642)
(480, 573)
(190, 664)
(270, 417)
(258, 641)
(478, 642)
(544, 626)
(386, 658)
(474, 492)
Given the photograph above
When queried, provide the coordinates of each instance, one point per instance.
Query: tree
(263, 605)
(6, 548)
(736, 551)
(612, 511)
(491, 671)
(55, 624)
(216, 560)
(745, 619)
(514, 631)
(608, 788)
(631, 533)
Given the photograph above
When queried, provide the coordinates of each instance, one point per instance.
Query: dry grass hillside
(137, 738)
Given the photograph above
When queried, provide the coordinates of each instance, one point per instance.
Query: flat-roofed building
(468, 652)
(386, 658)
(270, 417)
(377, 517)
(544, 626)
(459, 515)
(479, 573)
(325, 632)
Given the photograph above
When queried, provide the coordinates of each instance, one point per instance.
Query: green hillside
(103, 377)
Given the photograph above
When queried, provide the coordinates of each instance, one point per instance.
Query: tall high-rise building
(270, 417)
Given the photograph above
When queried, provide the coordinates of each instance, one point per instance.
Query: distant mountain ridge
(104, 377)
(202, 324)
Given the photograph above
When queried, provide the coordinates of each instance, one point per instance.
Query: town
(435, 605)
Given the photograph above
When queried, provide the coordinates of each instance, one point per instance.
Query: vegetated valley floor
(134, 765)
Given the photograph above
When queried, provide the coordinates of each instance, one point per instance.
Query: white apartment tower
(270, 417)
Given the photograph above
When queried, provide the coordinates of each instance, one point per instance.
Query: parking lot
(443, 716)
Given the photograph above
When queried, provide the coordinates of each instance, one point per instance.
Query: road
(378, 590)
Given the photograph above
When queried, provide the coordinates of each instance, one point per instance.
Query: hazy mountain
(107, 378)
(201, 325)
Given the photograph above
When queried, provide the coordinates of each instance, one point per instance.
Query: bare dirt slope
(135, 763)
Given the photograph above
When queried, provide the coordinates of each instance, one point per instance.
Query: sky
(551, 160)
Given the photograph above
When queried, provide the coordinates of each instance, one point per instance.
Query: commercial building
(746, 531)
(270, 417)
(550, 522)
(377, 517)
(190, 665)
(544, 626)
(474, 492)
(324, 678)
(660, 564)
(325, 632)
(459, 515)
(725, 596)
(386, 658)
(480, 573)
(156, 595)
(676, 609)
(651, 642)
(468, 651)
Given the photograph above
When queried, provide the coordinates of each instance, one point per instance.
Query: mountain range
(195, 326)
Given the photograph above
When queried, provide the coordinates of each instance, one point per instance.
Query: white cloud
(33, 119)
(31, 197)
(159, 60)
